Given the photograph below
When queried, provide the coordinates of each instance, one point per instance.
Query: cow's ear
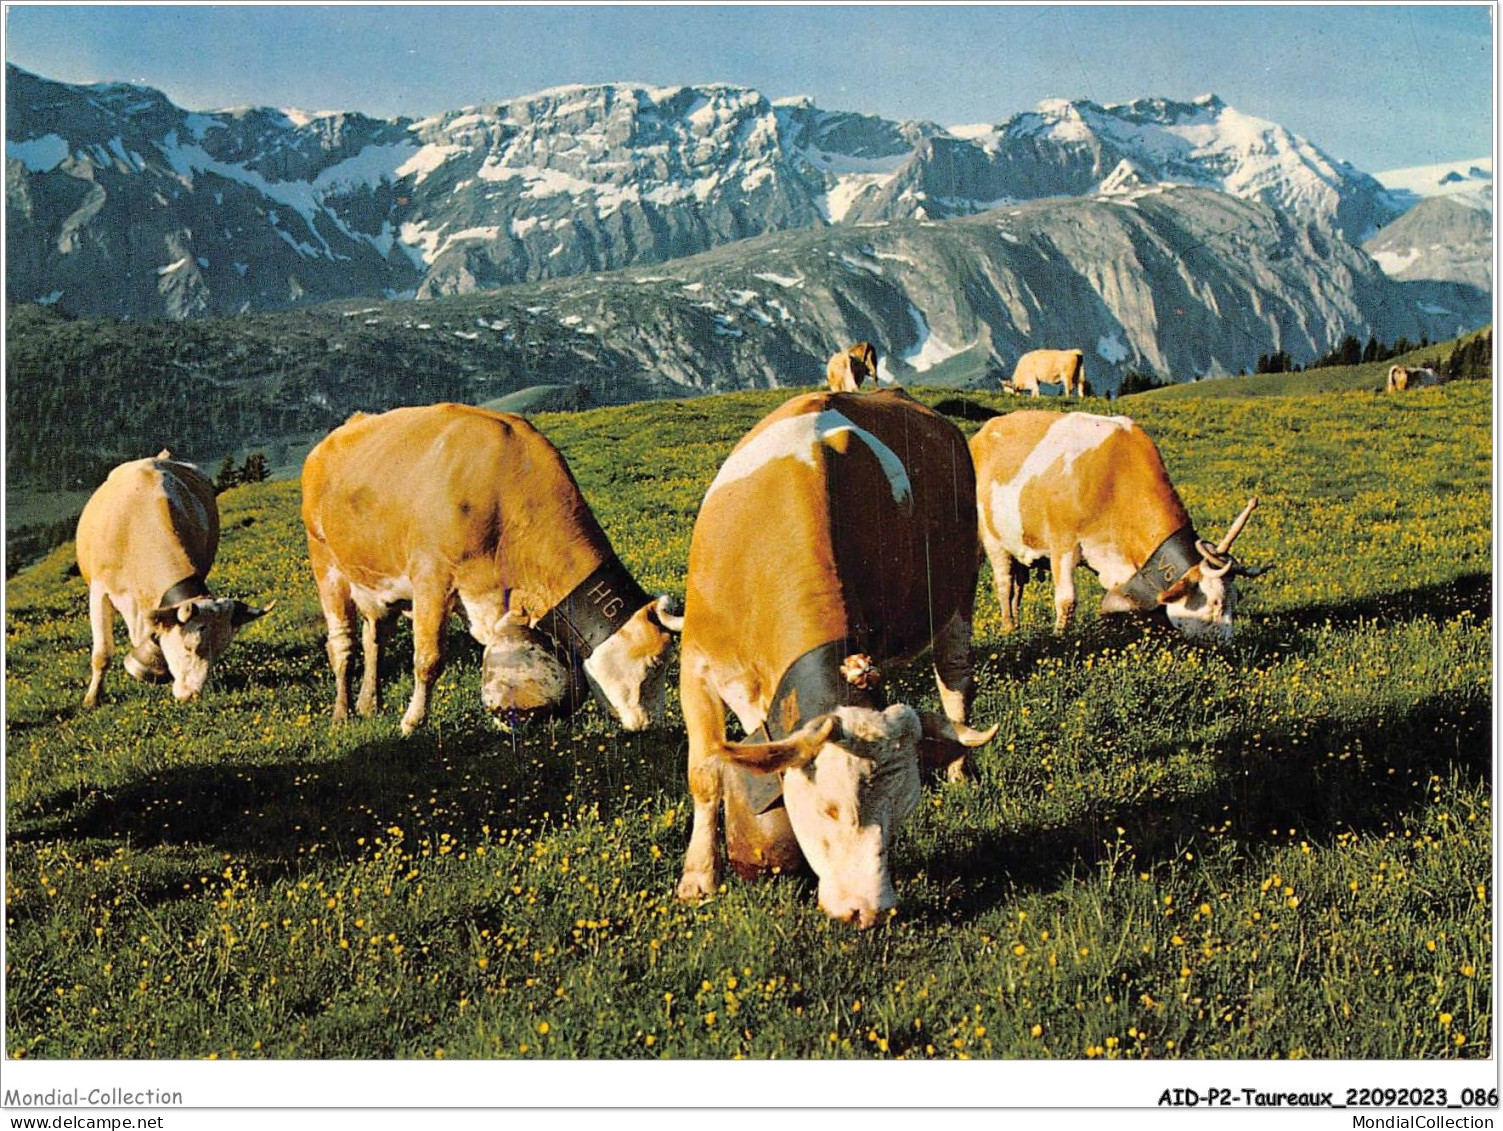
(1181, 588)
(798, 749)
(244, 613)
(160, 620)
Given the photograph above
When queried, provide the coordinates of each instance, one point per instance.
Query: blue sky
(1380, 86)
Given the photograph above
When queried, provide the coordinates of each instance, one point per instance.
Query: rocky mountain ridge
(123, 204)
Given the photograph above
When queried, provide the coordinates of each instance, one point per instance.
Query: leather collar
(595, 609)
(813, 686)
(1174, 558)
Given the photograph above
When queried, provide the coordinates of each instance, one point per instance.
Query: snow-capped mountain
(1414, 183)
(1076, 148)
(1447, 231)
(122, 203)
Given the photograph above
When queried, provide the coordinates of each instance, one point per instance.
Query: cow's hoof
(697, 885)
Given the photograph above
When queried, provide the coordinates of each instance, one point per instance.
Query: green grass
(1275, 848)
(1370, 376)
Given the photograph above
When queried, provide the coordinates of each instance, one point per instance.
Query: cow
(1402, 377)
(146, 542)
(449, 504)
(1073, 487)
(852, 365)
(839, 534)
(1049, 367)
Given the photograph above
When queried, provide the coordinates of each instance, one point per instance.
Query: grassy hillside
(1275, 848)
(1369, 377)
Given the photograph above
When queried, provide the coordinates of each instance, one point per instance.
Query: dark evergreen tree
(228, 476)
(255, 469)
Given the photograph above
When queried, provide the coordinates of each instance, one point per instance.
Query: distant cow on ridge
(1049, 367)
(851, 366)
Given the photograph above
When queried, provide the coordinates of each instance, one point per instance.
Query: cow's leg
(102, 630)
(1063, 564)
(430, 616)
(704, 719)
(953, 668)
(1010, 577)
(370, 656)
(339, 615)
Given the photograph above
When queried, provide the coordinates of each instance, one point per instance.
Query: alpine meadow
(1276, 847)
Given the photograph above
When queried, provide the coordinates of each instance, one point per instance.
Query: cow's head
(627, 671)
(1202, 601)
(193, 634)
(849, 779)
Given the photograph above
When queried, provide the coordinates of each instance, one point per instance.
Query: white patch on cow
(845, 808)
(797, 438)
(191, 649)
(382, 595)
(1067, 440)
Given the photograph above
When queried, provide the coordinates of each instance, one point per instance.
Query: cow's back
(1048, 477)
(152, 523)
(449, 484)
(840, 515)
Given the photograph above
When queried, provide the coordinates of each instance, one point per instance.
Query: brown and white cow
(839, 533)
(146, 542)
(1049, 367)
(444, 504)
(1073, 487)
(1403, 377)
(851, 366)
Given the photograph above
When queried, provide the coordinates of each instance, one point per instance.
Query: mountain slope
(1446, 238)
(123, 204)
(1181, 283)
(1075, 148)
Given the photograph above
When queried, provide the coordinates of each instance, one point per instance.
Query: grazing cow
(852, 365)
(1049, 367)
(839, 533)
(146, 542)
(1072, 487)
(1402, 377)
(447, 503)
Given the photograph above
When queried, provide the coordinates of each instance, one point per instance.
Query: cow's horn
(1236, 528)
(663, 609)
(1212, 563)
(938, 726)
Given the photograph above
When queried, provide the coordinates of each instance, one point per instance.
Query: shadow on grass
(1258, 637)
(276, 818)
(1334, 776)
